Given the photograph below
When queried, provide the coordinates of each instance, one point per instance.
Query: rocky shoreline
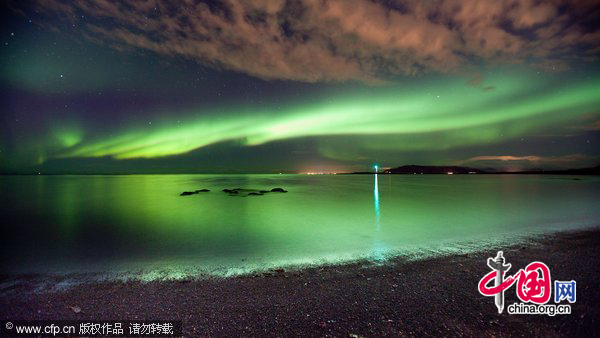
(433, 297)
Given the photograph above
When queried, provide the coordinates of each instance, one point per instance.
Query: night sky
(297, 86)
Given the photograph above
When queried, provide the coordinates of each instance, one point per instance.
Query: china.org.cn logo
(534, 288)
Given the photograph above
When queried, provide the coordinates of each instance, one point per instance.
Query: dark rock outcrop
(278, 190)
(242, 192)
(202, 190)
(187, 193)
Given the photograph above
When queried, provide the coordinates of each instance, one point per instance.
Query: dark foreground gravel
(431, 297)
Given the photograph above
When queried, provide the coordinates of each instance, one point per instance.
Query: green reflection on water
(139, 222)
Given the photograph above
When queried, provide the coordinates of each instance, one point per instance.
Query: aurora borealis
(296, 86)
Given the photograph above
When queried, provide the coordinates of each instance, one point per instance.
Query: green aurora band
(394, 118)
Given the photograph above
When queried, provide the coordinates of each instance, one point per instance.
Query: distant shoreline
(458, 170)
(486, 173)
(566, 173)
(402, 170)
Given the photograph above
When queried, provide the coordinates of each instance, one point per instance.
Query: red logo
(533, 282)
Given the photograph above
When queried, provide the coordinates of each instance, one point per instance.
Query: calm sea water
(138, 224)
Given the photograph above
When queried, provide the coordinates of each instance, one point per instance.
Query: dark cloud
(357, 40)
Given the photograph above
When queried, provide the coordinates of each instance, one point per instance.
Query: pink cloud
(349, 40)
(593, 126)
(557, 160)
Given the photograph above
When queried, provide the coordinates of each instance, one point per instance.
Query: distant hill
(428, 169)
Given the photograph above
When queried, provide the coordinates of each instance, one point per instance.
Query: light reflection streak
(378, 247)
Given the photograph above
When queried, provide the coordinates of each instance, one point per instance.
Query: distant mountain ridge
(428, 169)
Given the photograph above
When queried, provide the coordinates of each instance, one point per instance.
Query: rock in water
(278, 190)
(186, 193)
(202, 190)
